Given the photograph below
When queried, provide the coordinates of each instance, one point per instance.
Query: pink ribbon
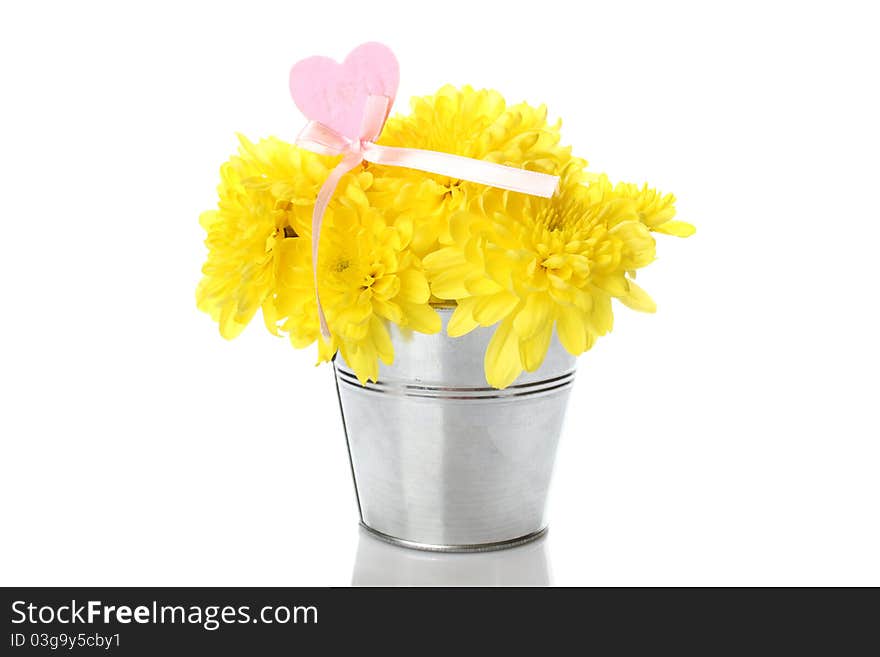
(319, 138)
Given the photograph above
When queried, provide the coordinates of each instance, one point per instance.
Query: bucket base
(469, 547)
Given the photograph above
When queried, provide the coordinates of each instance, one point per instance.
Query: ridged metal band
(448, 392)
(470, 547)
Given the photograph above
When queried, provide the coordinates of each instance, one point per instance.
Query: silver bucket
(441, 461)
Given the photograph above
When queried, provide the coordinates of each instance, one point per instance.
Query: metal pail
(442, 461)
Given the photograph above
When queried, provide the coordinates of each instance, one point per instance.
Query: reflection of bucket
(380, 564)
(442, 461)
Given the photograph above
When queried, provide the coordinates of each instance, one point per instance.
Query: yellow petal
(462, 320)
(534, 315)
(388, 310)
(614, 284)
(450, 283)
(461, 225)
(361, 357)
(420, 317)
(499, 267)
(502, 362)
(493, 308)
(601, 317)
(533, 350)
(425, 238)
(229, 328)
(209, 219)
(270, 316)
(413, 286)
(638, 299)
(354, 313)
(387, 287)
(300, 339)
(381, 340)
(572, 330)
(356, 195)
(639, 248)
(404, 226)
(442, 259)
(677, 228)
(478, 284)
(326, 349)
(349, 332)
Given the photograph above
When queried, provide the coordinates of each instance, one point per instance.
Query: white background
(732, 438)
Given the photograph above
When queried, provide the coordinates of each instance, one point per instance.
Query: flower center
(279, 233)
(452, 189)
(373, 274)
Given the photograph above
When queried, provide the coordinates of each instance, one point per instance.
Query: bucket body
(441, 460)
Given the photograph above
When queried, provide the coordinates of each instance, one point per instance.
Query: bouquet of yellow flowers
(399, 241)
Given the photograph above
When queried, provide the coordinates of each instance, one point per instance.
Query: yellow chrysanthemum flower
(527, 264)
(259, 242)
(656, 210)
(476, 124)
(367, 276)
(266, 193)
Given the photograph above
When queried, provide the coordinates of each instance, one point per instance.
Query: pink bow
(322, 139)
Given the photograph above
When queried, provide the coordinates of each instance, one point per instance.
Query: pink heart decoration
(335, 94)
